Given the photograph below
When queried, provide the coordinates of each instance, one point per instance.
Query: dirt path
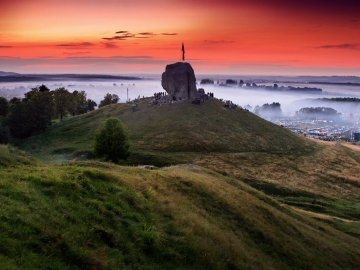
(322, 216)
(348, 145)
(353, 147)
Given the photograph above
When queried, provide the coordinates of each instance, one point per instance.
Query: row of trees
(21, 118)
(272, 108)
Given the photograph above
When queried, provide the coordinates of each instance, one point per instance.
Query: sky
(250, 37)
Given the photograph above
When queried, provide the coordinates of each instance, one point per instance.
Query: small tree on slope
(111, 141)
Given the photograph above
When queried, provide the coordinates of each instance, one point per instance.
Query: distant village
(253, 85)
(320, 123)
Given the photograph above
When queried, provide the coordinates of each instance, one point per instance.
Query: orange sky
(229, 36)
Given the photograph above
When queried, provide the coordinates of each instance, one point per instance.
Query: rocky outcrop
(179, 81)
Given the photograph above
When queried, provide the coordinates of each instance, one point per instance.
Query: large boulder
(179, 81)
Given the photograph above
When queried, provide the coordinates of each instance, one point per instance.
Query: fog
(291, 101)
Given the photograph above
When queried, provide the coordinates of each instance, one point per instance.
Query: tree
(91, 105)
(78, 103)
(31, 114)
(20, 119)
(40, 104)
(14, 100)
(4, 104)
(62, 102)
(111, 141)
(4, 133)
(109, 99)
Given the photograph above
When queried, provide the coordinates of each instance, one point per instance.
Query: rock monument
(179, 81)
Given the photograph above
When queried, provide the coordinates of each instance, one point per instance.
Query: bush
(4, 133)
(111, 141)
(109, 99)
(4, 104)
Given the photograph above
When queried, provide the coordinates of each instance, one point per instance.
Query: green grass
(342, 208)
(11, 156)
(169, 128)
(233, 206)
(231, 142)
(93, 215)
(328, 171)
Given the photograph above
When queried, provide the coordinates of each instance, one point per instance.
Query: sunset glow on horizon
(274, 37)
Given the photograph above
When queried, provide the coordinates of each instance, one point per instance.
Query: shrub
(4, 133)
(4, 104)
(111, 141)
(109, 99)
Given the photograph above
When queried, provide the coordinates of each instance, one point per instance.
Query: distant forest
(341, 99)
(324, 111)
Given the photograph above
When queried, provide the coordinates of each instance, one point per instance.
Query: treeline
(272, 108)
(21, 118)
(325, 111)
(341, 99)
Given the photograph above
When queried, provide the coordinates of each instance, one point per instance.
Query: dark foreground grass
(94, 215)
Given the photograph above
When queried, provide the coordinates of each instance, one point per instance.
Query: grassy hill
(248, 195)
(93, 215)
(170, 128)
(231, 142)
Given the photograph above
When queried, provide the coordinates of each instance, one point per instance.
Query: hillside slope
(93, 215)
(180, 127)
(231, 142)
(11, 156)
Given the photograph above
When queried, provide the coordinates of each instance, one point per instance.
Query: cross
(183, 51)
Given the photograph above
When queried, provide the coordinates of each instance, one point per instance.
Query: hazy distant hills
(323, 79)
(338, 80)
(16, 77)
(3, 73)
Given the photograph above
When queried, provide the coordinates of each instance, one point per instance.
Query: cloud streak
(120, 36)
(76, 44)
(124, 35)
(169, 34)
(218, 42)
(147, 34)
(110, 45)
(347, 46)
